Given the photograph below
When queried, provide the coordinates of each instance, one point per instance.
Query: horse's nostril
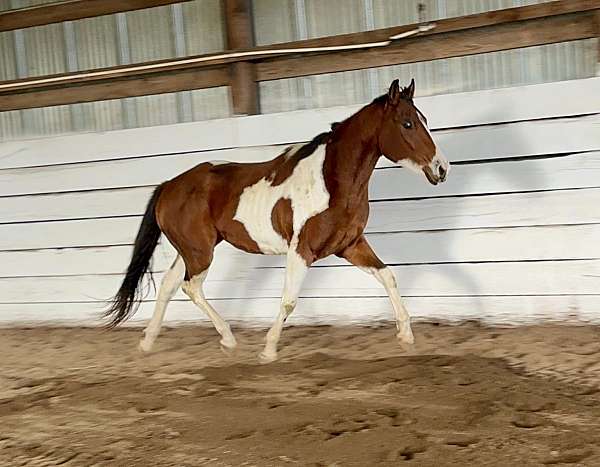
(443, 172)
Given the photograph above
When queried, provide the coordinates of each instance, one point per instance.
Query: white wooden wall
(511, 237)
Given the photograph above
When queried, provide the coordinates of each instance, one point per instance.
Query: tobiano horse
(308, 203)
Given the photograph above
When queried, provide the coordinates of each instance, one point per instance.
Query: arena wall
(511, 237)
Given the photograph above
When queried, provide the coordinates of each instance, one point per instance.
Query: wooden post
(598, 43)
(240, 35)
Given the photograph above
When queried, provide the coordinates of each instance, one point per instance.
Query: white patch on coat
(306, 190)
(219, 162)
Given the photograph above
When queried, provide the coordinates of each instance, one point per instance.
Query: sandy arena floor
(465, 396)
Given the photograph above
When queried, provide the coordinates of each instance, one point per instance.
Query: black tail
(127, 300)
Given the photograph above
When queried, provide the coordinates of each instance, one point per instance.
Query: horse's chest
(308, 195)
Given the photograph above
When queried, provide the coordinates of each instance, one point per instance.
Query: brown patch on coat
(282, 218)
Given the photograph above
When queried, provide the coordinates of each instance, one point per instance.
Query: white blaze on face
(306, 190)
(438, 159)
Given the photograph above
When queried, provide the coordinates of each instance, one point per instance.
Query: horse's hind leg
(193, 288)
(170, 283)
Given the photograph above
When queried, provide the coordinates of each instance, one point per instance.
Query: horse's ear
(409, 92)
(394, 94)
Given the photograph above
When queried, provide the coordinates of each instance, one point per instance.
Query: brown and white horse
(309, 203)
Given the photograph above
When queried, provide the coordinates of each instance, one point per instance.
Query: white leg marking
(170, 283)
(193, 289)
(386, 277)
(295, 272)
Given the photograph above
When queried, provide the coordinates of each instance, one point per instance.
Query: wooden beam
(598, 43)
(505, 36)
(72, 10)
(182, 80)
(240, 35)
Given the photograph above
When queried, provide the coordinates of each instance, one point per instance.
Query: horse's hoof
(406, 340)
(144, 347)
(265, 358)
(405, 336)
(227, 350)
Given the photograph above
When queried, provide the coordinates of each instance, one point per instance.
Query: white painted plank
(573, 171)
(505, 210)
(481, 107)
(511, 140)
(556, 173)
(500, 310)
(578, 277)
(517, 209)
(504, 244)
(76, 205)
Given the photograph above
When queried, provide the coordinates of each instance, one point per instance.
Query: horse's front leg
(362, 255)
(295, 272)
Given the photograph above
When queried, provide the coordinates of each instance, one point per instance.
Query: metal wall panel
(16, 4)
(203, 24)
(45, 50)
(8, 63)
(150, 34)
(96, 42)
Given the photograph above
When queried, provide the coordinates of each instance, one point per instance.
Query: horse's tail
(127, 300)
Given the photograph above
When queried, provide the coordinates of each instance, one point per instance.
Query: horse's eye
(407, 124)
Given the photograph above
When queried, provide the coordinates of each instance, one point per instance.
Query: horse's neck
(354, 151)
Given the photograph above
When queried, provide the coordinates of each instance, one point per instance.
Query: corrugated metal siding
(96, 42)
(8, 68)
(45, 50)
(203, 27)
(150, 34)
(16, 4)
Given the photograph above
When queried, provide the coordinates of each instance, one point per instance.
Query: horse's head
(405, 139)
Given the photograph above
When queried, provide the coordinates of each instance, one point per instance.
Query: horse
(308, 203)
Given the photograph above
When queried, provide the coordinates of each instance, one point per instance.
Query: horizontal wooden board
(503, 210)
(539, 101)
(503, 310)
(182, 80)
(577, 277)
(520, 139)
(573, 171)
(554, 173)
(503, 244)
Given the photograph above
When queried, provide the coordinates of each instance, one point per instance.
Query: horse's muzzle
(437, 171)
